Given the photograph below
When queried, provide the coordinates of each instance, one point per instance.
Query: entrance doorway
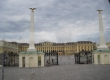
(98, 57)
(39, 60)
(31, 61)
(106, 60)
(23, 60)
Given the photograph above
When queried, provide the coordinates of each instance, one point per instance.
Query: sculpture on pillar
(32, 9)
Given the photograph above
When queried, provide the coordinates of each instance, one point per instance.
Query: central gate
(83, 57)
(51, 58)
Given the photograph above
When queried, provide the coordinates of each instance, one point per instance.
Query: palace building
(68, 48)
(8, 46)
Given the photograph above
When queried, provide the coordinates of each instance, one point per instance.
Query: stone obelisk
(31, 57)
(31, 44)
(102, 45)
(102, 54)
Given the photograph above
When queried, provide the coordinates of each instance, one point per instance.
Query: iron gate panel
(10, 59)
(51, 58)
(83, 57)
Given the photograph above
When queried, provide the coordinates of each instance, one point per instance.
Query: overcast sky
(54, 20)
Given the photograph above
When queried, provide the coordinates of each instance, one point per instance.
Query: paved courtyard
(66, 70)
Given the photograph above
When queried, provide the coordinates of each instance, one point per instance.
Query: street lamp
(2, 66)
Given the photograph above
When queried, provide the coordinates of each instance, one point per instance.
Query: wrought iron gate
(83, 57)
(51, 58)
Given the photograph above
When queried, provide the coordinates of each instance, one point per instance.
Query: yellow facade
(8, 47)
(108, 44)
(69, 48)
(10, 50)
(85, 45)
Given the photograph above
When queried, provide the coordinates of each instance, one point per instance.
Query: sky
(57, 21)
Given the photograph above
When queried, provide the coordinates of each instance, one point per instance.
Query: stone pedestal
(30, 59)
(101, 57)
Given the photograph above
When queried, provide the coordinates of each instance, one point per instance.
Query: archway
(31, 61)
(98, 57)
(39, 60)
(23, 61)
(106, 59)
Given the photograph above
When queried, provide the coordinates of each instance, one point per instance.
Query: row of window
(85, 46)
(85, 49)
(50, 48)
(10, 45)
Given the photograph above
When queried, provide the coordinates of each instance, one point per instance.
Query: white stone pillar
(31, 44)
(42, 60)
(20, 61)
(95, 59)
(102, 45)
(36, 60)
(102, 58)
(26, 60)
(109, 57)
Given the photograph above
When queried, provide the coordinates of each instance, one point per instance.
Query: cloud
(55, 20)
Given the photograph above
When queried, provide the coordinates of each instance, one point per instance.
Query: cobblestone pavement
(66, 70)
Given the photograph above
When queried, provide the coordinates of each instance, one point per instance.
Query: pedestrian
(52, 61)
(47, 62)
(89, 60)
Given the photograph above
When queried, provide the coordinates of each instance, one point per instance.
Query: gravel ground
(66, 70)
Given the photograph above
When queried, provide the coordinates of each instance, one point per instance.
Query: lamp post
(2, 66)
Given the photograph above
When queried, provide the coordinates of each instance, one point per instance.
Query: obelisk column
(102, 45)
(31, 44)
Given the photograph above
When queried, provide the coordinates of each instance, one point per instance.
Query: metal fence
(83, 57)
(51, 58)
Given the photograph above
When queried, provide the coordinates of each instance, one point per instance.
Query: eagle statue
(32, 9)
